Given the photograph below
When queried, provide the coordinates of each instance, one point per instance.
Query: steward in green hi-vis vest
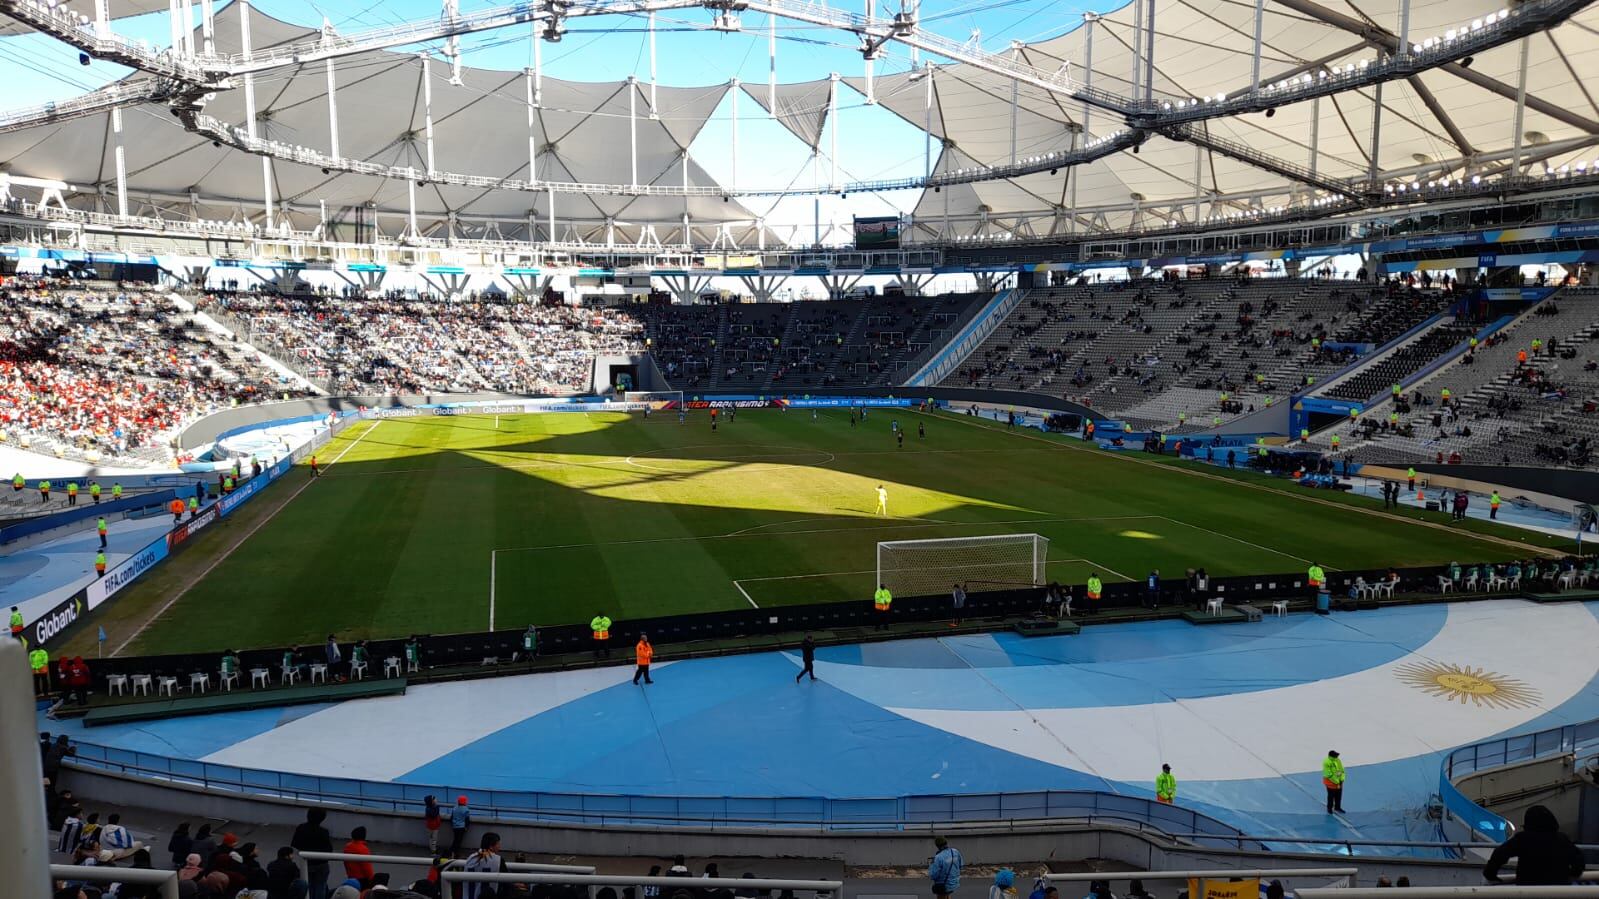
(1165, 785)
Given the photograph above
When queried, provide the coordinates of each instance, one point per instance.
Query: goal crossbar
(980, 564)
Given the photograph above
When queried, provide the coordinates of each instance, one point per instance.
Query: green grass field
(565, 515)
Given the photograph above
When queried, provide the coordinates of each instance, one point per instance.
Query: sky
(873, 142)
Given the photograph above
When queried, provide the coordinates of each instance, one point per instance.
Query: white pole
(188, 26)
(1149, 53)
(250, 112)
(1521, 107)
(102, 18)
(832, 118)
(208, 26)
(871, 98)
(927, 120)
(733, 86)
(21, 799)
(1376, 132)
(1315, 133)
(655, 111)
(1260, 24)
(771, 50)
(1404, 28)
(1088, 71)
(532, 137)
(1138, 44)
(333, 111)
(1015, 87)
(410, 192)
(632, 128)
(121, 162)
(176, 26)
(427, 108)
(552, 215)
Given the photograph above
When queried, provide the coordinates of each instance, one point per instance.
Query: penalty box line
(740, 582)
(909, 523)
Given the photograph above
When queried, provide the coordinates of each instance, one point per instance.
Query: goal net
(983, 564)
(657, 399)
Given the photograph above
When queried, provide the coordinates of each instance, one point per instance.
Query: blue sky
(874, 143)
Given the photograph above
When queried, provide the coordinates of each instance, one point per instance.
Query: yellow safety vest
(882, 599)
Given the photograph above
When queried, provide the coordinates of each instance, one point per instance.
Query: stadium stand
(1500, 409)
(873, 342)
(105, 374)
(399, 345)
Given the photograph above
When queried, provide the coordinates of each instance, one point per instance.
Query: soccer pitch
(433, 524)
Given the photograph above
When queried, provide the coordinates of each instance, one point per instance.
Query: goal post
(658, 400)
(982, 564)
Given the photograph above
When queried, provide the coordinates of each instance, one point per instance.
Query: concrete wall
(1509, 791)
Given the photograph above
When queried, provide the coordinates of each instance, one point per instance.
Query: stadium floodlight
(984, 564)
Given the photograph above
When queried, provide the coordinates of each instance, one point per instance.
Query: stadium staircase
(785, 340)
(717, 366)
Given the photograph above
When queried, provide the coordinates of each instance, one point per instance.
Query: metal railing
(702, 885)
(422, 861)
(166, 880)
(904, 813)
(1348, 874)
(1503, 891)
(1572, 739)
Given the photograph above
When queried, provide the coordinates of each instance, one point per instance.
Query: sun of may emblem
(1474, 685)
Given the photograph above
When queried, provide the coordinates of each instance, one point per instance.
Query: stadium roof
(1434, 123)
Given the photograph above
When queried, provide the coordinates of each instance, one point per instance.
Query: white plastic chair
(260, 677)
(1472, 582)
(1384, 588)
(319, 670)
(116, 683)
(1362, 589)
(1280, 608)
(1567, 579)
(1213, 607)
(1445, 585)
(391, 666)
(199, 682)
(142, 682)
(167, 685)
(358, 670)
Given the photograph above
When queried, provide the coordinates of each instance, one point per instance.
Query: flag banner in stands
(1243, 888)
(125, 572)
(878, 233)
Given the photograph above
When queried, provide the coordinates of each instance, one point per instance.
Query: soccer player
(899, 437)
(682, 415)
(852, 416)
(882, 500)
(921, 431)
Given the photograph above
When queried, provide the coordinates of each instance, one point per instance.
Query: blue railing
(1578, 739)
(871, 814)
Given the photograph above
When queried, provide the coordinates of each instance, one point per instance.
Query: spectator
(313, 837)
(945, 870)
(203, 845)
(1544, 856)
(361, 871)
(460, 820)
(432, 819)
(116, 839)
(283, 876)
(180, 844)
(349, 889)
(192, 867)
(486, 860)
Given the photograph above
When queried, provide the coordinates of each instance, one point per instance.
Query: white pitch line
(247, 535)
(1277, 552)
(1107, 568)
(494, 555)
(937, 523)
(746, 595)
(796, 577)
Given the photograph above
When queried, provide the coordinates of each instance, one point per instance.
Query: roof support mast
(1137, 47)
(208, 26)
(1260, 23)
(632, 129)
(655, 111)
(452, 46)
(869, 52)
(1149, 53)
(1015, 90)
(333, 97)
(249, 111)
(1521, 106)
(427, 110)
(733, 89)
(832, 118)
(771, 72)
(121, 162)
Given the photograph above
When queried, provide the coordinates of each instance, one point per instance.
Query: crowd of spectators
(397, 345)
(113, 369)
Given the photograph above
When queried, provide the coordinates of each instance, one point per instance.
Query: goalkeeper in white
(882, 500)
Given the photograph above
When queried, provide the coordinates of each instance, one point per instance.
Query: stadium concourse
(1243, 715)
